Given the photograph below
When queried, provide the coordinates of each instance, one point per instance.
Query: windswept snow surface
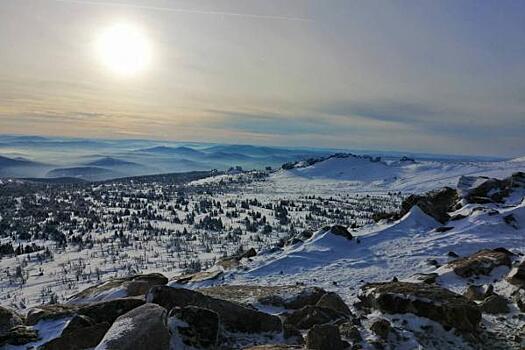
(361, 174)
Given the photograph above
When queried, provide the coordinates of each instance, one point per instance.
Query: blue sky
(431, 76)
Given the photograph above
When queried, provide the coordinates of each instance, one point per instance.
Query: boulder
(8, 320)
(137, 285)
(495, 304)
(194, 327)
(449, 309)
(342, 231)
(350, 332)
(198, 277)
(333, 301)
(478, 293)
(308, 316)
(481, 263)
(108, 311)
(49, 312)
(517, 275)
(19, 335)
(437, 203)
(143, 328)
(234, 317)
(324, 337)
(381, 328)
(74, 338)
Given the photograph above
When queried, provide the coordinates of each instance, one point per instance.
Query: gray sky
(428, 76)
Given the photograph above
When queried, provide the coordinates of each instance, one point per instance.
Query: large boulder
(8, 320)
(79, 337)
(143, 328)
(481, 263)
(234, 317)
(308, 316)
(324, 337)
(108, 311)
(437, 203)
(119, 288)
(333, 301)
(49, 312)
(342, 231)
(517, 275)
(287, 296)
(194, 327)
(495, 304)
(433, 302)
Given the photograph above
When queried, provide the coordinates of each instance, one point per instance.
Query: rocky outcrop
(119, 288)
(481, 263)
(143, 328)
(433, 302)
(234, 317)
(194, 327)
(308, 316)
(437, 203)
(8, 320)
(488, 190)
(19, 335)
(324, 337)
(517, 275)
(339, 230)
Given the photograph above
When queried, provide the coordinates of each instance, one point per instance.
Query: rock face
(119, 288)
(234, 317)
(430, 301)
(481, 263)
(436, 204)
(8, 320)
(324, 337)
(517, 277)
(495, 304)
(308, 316)
(195, 327)
(490, 190)
(143, 328)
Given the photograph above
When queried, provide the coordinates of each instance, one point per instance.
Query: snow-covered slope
(357, 173)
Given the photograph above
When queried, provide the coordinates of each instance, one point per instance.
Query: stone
(449, 309)
(108, 311)
(234, 317)
(350, 332)
(143, 328)
(333, 301)
(342, 231)
(324, 337)
(195, 327)
(381, 328)
(308, 316)
(199, 277)
(495, 304)
(480, 263)
(137, 285)
(49, 312)
(9, 319)
(437, 203)
(478, 293)
(19, 335)
(78, 338)
(517, 275)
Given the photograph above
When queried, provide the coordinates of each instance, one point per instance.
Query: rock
(143, 328)
(292, 335)
(78, 322)
(250, 253)
(442, 229)
(517, 275)
(8, 320)
(19, 335)
(199, 277)
(309, 316)
(324, 337)
(49, 312)
(485, 190)
(342, 231)
(108, 311)
(429, 278)
(381, 328)
(349, 331)
(78, 338)
(425, 300)
(289, 297)
(495, 304)
(234, 317)
(452, 254)
(195, 327)
(119, 288)
(333, 301)
(474, 292)
(511, 221)
(437, 203)
(480, 263)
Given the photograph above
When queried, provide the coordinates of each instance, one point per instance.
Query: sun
(124, 49)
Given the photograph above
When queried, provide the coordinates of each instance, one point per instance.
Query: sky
(442, 76)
